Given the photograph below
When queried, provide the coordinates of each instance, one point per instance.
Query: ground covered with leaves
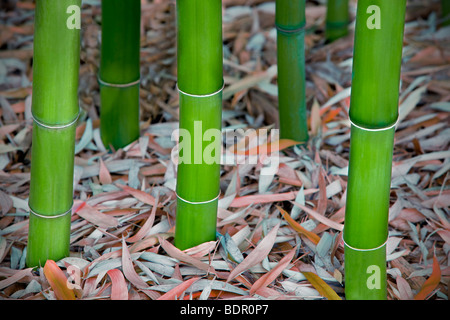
(279, 235)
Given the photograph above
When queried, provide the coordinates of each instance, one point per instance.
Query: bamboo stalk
(55, 111)
(290, 22)
(337, 19)
(200, 82)
(445, 8)
(120, 72)
(373, 113)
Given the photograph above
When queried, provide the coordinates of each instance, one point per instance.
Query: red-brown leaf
(273, 273)
(146, 227)
(140, 195)
(128, 269)
(58, 281)
(297, 227)
(257, 255)
(104, 175)
(178, 290)
(180, 255)
(324, 289)
(431, 283)
(94, 216)
(268, 147)
(119, 290)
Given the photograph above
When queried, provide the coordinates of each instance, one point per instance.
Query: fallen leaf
(315, 121)
(128, 269)
(261, 198)
(58, 281)
(140, 195)
(257, 254)
(268, 148)
(202, 249)
(270, 276)
(119, 289)
(178, 290)
(297, 227)
(324, 289)
(180, 255)
(104, 175)
(6, 203)
(431, 283)
(320, 218)
(15, 277)
(404, 289)
(94, 216)
(146, 227)
(445, 234)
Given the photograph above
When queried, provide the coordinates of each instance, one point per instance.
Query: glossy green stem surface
(445, 12)
(373, 112)
(119, 65)
(290, 21)
(376, 63)
(200, 78)
(337, 19)
(55, 102)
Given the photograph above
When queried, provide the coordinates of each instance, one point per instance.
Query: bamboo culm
(55, 110)
(290, 22)
(373, 114)
(200, 83)
(119, 76)
(337, 19)
(445, 12)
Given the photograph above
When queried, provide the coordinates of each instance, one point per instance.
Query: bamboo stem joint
(55, 126)
(118, 85)
(198, 202)
(201, 95)
(374, 129)
(361, 249)
(290, 31)
(50, 217)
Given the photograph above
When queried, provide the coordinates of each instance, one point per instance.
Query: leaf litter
(279, 235)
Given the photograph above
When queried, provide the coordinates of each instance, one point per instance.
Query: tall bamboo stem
(445, 12)
(290, 22)
(200, 80)
(373, 113)
(337, 19)
(120, 72)
(55, 110)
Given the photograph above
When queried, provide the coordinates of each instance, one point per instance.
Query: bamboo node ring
(290, 31)
(118, 85)
(376, 129)
(50, 217)
(200, 202)
(55, 126)
(358, 249)
(201, 95)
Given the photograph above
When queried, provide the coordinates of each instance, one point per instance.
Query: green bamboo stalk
(337, 19)
(200, 79)
(373, 113)
(445, 6)
(119, 72)
(55, 110)
(290, 22)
